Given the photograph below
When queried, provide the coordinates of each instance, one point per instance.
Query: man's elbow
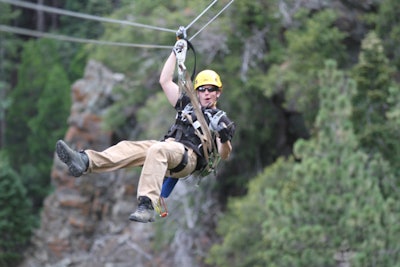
(225, 150)
(225, 156)
(163, 81)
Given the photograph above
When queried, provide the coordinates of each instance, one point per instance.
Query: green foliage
(8, 53)
(256, 35)
(308, 46)
(256, 15)
(257, 127)
(242, 226)
(373, 75)
(387, 26)
(36, 58)
(392, 154)
(122, 116)
(52, 112)
(254, 41)
(316, 33)
(46, 128)
(8, 44)
(255, 137)
(318, 211)
(293, 75)
(73, 56)
(155, 117)
(85, 28)
(37, 117)
(16, 220)
(393, 113)
(77, 64)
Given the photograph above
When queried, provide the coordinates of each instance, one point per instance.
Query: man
(178, 155)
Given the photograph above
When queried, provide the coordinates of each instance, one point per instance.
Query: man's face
(208, 95)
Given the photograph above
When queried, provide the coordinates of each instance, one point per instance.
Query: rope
(32, 33)
(81, 15)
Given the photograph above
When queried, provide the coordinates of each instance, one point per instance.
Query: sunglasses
(209, 89)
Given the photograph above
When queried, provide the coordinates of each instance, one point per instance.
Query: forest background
(313, 87)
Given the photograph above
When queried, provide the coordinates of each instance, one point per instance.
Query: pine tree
(37, 57)
(342, 196)
(386, 22)
(328, 209)
(373, 75)
(46, 128)
(16, 220)
(40, 97)
(393, 129)
(8, 50)
(314, 41)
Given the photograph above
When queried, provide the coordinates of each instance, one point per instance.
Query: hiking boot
(77, 162)
(144, 212)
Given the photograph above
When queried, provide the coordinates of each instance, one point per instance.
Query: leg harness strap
(183, 162)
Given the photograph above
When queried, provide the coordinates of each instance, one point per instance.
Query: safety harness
(200, 126)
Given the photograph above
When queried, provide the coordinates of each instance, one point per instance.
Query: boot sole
(64, 155)
(135, 219)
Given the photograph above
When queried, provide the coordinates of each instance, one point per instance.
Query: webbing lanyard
(161, 207)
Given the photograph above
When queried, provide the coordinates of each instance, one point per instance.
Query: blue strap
(168, 185)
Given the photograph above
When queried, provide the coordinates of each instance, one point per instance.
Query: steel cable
(81, 15)
(32, 33)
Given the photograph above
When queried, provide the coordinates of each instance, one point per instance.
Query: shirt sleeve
(182, 102)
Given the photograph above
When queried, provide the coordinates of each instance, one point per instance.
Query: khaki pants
(156, 158)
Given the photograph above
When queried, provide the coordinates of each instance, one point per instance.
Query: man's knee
(157, 149)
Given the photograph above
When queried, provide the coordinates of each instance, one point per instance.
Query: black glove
(216, 119)
(224, 135)
(221, 124)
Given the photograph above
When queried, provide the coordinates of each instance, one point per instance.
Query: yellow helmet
(207, 77)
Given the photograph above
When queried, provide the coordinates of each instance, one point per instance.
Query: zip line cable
(201, 14)
(32, 33)
(81, 15)
(212, 19)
